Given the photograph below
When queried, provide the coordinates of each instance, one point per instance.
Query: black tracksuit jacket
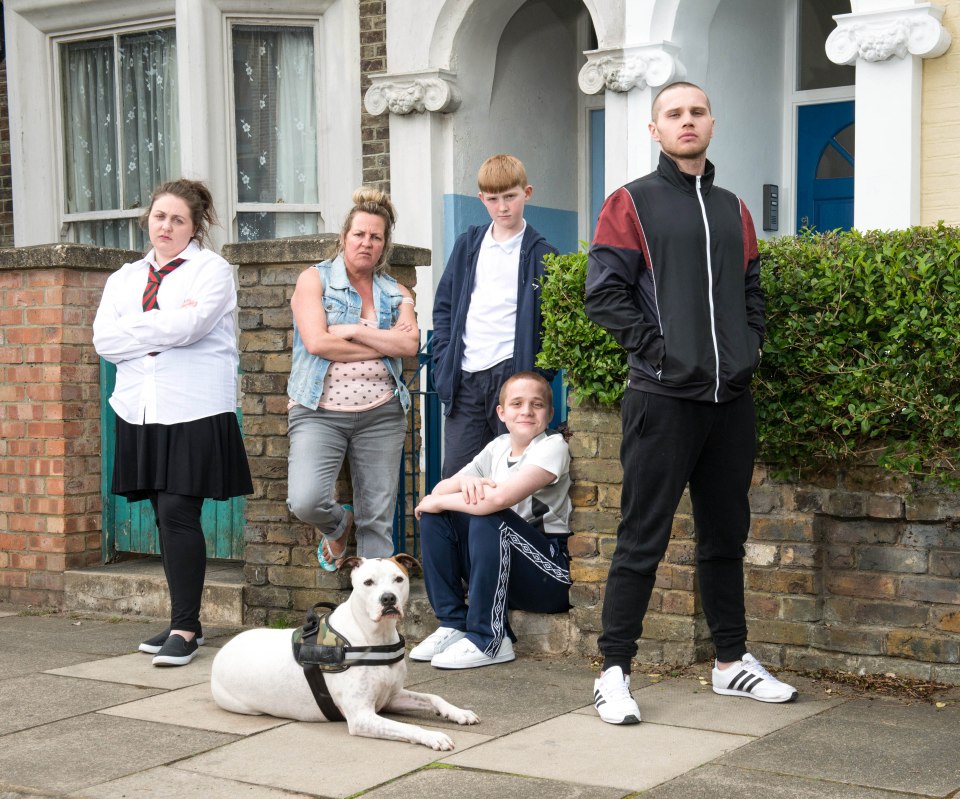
(674, 275)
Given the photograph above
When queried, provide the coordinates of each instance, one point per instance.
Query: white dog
(256, 673)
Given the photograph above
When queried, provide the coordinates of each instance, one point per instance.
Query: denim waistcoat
(342, 305)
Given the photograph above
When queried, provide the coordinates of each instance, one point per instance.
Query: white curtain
(98, 178)
(89, 114)
(276, 124)
(151, 124)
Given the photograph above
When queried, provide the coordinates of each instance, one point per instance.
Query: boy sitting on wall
(500, 525)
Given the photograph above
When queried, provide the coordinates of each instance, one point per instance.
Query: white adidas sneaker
(748, 678)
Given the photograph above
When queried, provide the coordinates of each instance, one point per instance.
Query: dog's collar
(319, 648)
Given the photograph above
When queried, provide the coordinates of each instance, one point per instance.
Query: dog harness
(319, 648)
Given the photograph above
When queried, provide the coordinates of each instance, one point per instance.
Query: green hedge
(862, 356)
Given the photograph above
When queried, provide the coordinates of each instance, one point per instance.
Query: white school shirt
(194, 374)
(491, 324)
(548, 508)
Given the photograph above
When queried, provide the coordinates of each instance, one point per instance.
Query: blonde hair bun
(367, 196)
(369, 200)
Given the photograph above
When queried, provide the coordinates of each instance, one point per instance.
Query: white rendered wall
(531, 109)
(744, 78)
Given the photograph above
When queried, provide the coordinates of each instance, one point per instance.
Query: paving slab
(443, 781)
(36, 699)
(138, 669)
(19, 659)
(712, 781)
(72, 634)
(194, 707)
(584, 750)
(171, 783)
(510, 696)
(685, 702)
(87, 750)
(321, 758)
(876, 743)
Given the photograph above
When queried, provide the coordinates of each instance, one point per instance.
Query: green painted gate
(132, 526)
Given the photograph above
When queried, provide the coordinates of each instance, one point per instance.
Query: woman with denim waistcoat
(352, 324)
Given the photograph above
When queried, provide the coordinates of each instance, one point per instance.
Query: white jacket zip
(713, 317)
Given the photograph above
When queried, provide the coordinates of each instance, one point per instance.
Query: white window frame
(237, 207)
(67, 219)
(586, 103)
(795, 99)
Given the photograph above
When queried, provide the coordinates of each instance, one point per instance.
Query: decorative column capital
(892, 33)
(624, 68)
(433, 90)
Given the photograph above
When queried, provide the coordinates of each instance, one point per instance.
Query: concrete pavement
(83, 714)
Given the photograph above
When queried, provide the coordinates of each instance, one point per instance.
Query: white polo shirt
(491, 324)
(194, 373)
(548, 508)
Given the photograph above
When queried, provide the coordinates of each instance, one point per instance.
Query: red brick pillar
(49, 416)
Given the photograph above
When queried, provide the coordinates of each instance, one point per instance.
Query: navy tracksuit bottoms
(504, 562)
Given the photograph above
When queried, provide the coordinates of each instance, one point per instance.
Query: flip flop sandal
(321, 559)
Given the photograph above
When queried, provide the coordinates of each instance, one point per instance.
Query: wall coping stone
(310, 249)
(72, 256)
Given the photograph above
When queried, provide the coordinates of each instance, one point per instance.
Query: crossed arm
(481, 496)
(352, 342)
(120, 336)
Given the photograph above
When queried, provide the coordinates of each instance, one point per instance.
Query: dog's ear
(408, 562)
(350, 563)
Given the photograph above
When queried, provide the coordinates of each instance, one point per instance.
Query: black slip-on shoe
(176, 651)
(153, 645)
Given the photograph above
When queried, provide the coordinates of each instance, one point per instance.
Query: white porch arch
(450, 47)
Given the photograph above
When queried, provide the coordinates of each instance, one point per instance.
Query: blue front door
(825, 162)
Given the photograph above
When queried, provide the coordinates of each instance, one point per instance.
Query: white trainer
(464, 654)
(434, 643)
(748, 678)
(612, 698)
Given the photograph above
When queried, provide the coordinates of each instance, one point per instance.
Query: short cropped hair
(679, 84)
(536, 377)
(500, 173)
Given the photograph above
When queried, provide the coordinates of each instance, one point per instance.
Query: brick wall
(940, 128)
(49, 417)
(374, 130)
(283, 579)
(6, 182)
(858, 571)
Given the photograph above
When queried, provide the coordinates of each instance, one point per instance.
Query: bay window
(275, 121)
(120, 131)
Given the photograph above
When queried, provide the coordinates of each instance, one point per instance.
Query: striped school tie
(153, 283)
(153, 286)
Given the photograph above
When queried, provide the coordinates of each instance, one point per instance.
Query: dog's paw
(465, 717)
(438, 741)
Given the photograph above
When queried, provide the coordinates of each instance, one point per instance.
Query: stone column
(887, 40)
(418, 103)
(631, 77)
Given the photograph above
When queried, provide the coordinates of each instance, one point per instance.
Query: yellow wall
(940, 136)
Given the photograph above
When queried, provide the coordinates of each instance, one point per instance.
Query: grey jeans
(373, 442)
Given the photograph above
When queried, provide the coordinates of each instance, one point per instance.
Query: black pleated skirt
(202, 458)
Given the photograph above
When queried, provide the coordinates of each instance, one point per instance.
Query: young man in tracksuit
(486, 312)
(674, 275)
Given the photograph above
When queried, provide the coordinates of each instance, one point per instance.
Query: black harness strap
(334, 653)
